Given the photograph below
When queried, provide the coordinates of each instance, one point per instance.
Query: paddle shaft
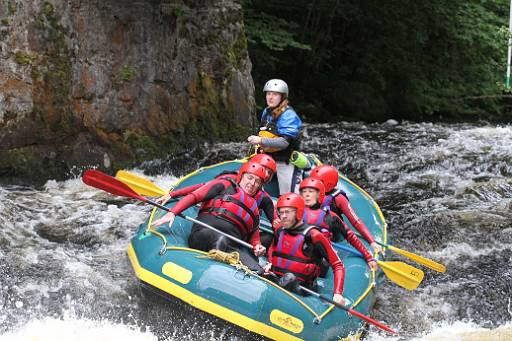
(341, 306)
(417, 258)
(198, 222)
(350, 310)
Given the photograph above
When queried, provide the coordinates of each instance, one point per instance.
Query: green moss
(142, 146)
(127, 73)
(48, 9)
(53, 73)
(178, 12)
(19, 161)
(237, 52)
(24, 59)
(5, 22)
(11, 8)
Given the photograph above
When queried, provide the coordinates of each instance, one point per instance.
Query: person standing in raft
(230, 207)
(337, 201)
(279, 133)
(298, 249)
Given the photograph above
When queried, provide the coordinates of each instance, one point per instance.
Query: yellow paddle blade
(403, 274)
(139, 184)
(418, 259)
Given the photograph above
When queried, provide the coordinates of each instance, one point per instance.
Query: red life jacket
(288, 255)
(259, 196)
(239, 208)
(317, 218)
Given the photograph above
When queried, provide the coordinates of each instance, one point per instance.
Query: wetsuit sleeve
(344, 205)
(356, 243)
(323, 247)
(267, 206)
(206, 192)
(255, 237)
(278, 142)
(184, 191)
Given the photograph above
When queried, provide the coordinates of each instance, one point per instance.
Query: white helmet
(276, 85)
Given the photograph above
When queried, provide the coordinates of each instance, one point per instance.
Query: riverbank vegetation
(375, 60)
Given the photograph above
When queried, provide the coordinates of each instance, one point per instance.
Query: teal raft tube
(164, 261)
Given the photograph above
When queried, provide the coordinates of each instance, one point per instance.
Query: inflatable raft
(163, 260)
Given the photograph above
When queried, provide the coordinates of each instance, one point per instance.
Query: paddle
(341, 306)
(139, 184)
(403, 274)
(418, 259)
(109, 184)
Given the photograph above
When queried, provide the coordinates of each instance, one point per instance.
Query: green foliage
(373, 59)
(127, 73)
(11, 7)
(178, 12)
(276, 34)
(24, 59)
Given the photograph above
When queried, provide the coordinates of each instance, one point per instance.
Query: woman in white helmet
(279, 134)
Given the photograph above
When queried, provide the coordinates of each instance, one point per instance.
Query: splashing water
(445, 190)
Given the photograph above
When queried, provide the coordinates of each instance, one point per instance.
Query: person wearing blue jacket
(279, 134)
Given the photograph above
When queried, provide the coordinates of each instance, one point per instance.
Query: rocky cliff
(113, 82)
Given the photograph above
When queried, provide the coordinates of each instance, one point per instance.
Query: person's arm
(255, 237)
(184, 191)
(279, 143)
(288, 124)
(267, 206)
(344, 205)
(323, 247)
(357, 244)
(204, 193)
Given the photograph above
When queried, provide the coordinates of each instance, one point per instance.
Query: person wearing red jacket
(337, 201)
(330, 224)
(299, 248)
(265, 203)
(230, 207)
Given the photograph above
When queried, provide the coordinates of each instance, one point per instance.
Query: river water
(445, 190)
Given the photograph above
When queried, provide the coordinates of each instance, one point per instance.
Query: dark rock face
(112, 82)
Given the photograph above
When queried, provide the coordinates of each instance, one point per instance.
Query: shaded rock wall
(113, 82)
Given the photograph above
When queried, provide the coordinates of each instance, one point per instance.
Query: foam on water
(51, 329)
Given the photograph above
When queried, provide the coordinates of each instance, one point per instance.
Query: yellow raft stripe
(204, 304)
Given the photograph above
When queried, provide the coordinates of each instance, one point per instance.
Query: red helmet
(316, 184)
(292, 200)
(328, 175)
(266, 161)
(252, 168)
